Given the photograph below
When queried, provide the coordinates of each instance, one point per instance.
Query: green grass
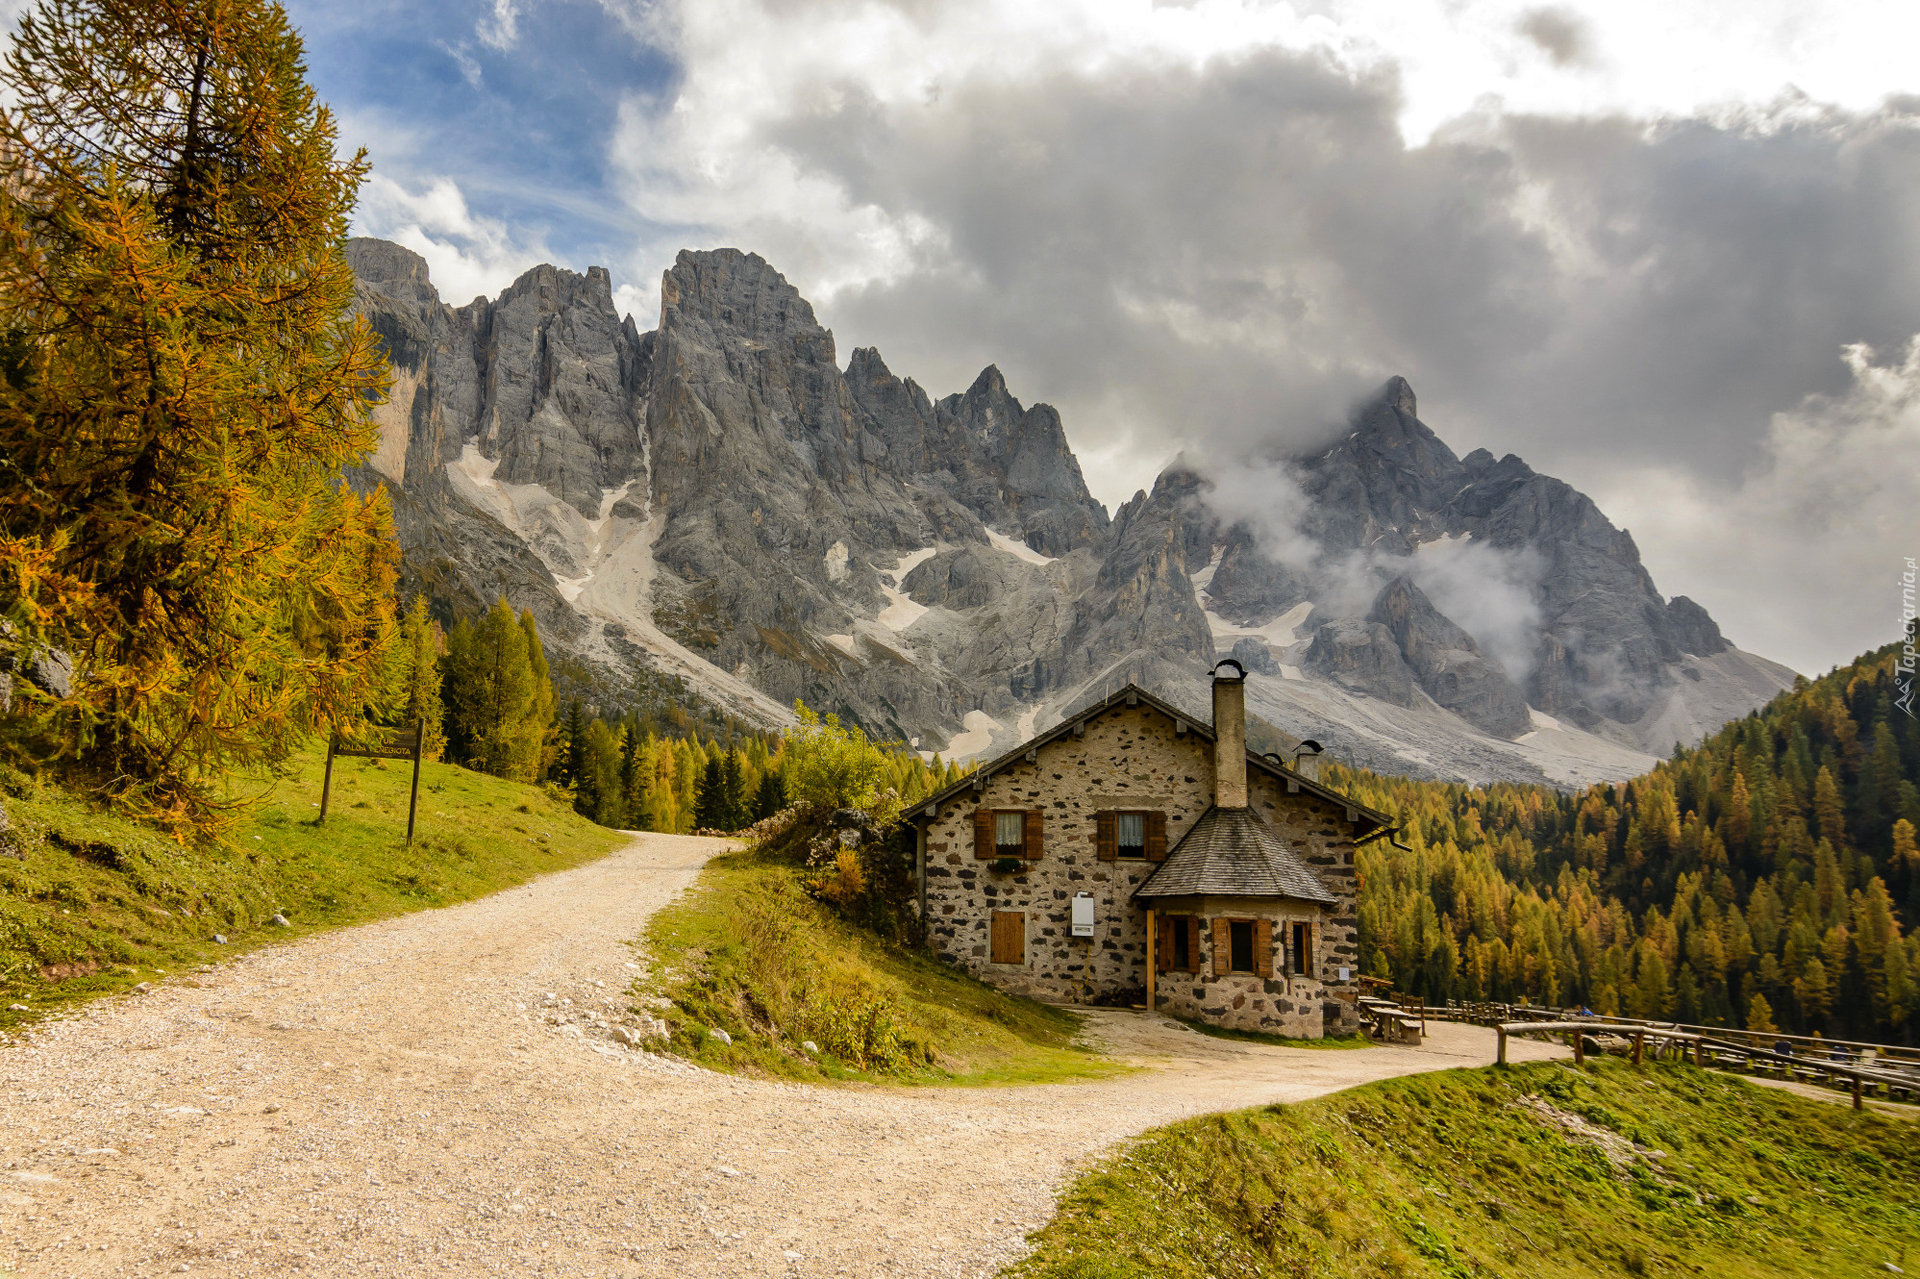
(96, 904)
(1278, 1041)
(747, 951)
(1459, 1173)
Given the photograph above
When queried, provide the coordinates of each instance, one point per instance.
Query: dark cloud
(1220, 259)
(1227, 255)
(1560, 33)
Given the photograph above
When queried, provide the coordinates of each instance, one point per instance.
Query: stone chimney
(1229, 735)
(1306, 760)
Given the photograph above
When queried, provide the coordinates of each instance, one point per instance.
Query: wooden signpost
(400, 743)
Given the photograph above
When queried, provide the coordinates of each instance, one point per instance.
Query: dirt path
(387, 1099)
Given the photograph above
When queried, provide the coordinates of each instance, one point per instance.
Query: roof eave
(1367, 819)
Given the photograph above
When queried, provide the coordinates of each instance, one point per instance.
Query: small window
(1182, 946)
(1009, 937)
(1131, 835)
(1241, 939)
(1010, 834)
(1302, 949)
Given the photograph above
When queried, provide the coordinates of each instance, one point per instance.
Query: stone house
(1132, 831)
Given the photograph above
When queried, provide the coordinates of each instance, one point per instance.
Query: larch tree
(180, 386)
(417, 663)
(498, 706)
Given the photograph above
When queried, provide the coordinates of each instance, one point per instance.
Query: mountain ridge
(717, 501)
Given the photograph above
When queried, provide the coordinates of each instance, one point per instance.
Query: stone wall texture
(1134, 757)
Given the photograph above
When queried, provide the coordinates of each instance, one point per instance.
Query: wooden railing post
(1579, 1048)
(1639, 1041)
(1501, 1058)
(1856, 1092)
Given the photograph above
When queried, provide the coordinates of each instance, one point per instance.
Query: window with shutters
(1240, 940)
(1009, 937)
(1136, 834)
(1303, 948)
(1010, 833)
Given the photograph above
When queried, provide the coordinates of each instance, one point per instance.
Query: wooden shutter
(1009, 937)
(1306, 952)
(1163, 948)
(1193, 943)
(1263, 948)
(983, 833)
(1156, 837)
(1106, 835)
(1222, 946)
(1035, 819)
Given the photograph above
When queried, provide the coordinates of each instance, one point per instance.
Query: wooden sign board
(400, 743)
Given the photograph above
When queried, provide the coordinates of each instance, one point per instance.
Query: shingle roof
(1233, 852)
(1367, 820)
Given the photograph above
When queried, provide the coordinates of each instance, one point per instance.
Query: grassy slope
(97, 903)
(748, 952)
(1456, 1174)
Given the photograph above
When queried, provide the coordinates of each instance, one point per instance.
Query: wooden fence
(1864, 1069)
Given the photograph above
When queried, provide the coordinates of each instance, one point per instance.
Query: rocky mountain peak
(1390, 441)
(1398, 394)
(391, 269)
(719, 502)
(550, 290)
(726, 289)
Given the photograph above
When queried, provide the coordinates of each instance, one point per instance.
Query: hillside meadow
(91, 903)
(1540, 1170)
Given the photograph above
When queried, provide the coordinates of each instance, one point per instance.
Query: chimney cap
(1309, 746)
(1220, 671)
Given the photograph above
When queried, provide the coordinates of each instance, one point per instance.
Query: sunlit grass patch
(747, 951)
(1540, 1169)
(95, 904)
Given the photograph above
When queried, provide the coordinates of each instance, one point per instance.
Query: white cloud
(467, 256)
(501, 28)
(468, 64)
(1490, 592)
(1810, 545)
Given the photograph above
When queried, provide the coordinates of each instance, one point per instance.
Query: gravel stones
(428, 1126)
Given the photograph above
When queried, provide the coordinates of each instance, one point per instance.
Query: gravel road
(391, 1099)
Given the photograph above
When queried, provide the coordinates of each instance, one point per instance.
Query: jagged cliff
(717, 500)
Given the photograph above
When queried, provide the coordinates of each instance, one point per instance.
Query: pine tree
(1760, 1015)
(772, 797)
(733, 800)
(572, 764)
(493, 701)
(418, 675)
(708, 798)
(544, 741)
(181, 385)
(631, 779)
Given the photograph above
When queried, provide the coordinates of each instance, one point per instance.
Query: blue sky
(524, 127)
(1664, 251)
